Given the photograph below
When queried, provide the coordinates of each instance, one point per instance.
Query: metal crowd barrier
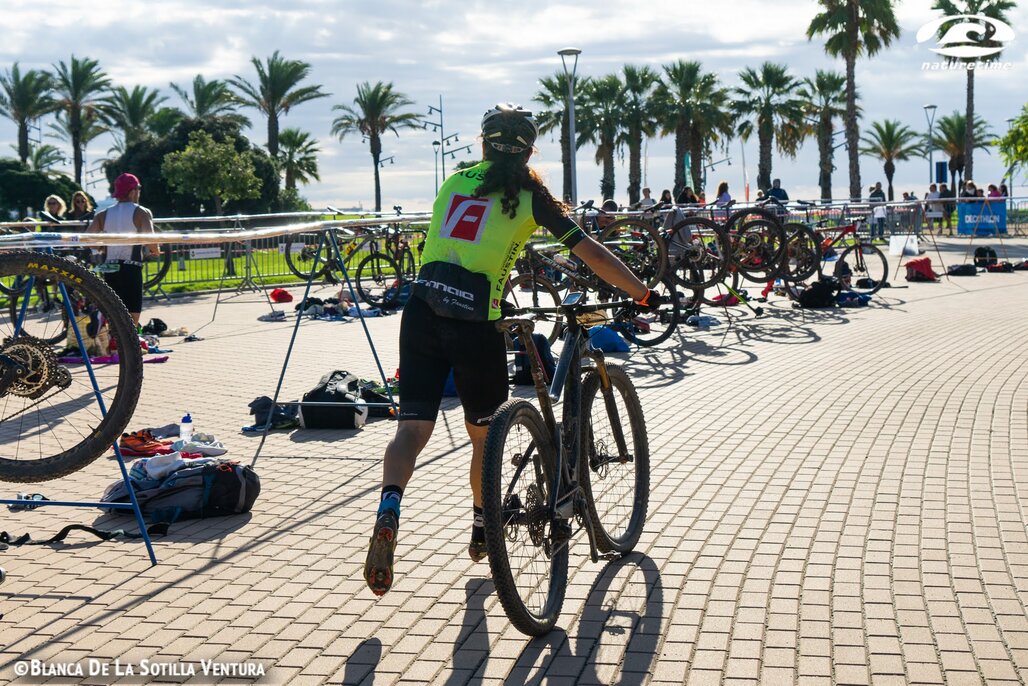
(219, 252)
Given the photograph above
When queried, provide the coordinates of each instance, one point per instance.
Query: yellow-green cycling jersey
(474, 234)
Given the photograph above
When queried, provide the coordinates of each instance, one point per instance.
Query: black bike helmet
(509, 128)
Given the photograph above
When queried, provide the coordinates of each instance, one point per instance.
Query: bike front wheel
(615, 471)
(862, 268)
(50, 421)
(528, 549)
(648, 328)
(379, 280)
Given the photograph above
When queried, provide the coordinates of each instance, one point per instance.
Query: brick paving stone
(867, 528)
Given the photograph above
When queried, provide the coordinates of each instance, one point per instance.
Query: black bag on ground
(210, 490)
(962, 270)
(334, 387)
(821, 293)
(522, 367)
(155, 327)
(984, 256)
(378, 402)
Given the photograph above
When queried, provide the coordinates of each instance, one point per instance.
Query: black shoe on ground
(477, 551)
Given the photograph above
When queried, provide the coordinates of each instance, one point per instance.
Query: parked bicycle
(541, 479)
(377, 277)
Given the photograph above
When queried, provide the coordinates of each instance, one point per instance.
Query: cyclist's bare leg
(402, 452)
(477, 435)
(397, 467)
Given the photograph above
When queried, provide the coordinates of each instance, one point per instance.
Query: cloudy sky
(476, 53)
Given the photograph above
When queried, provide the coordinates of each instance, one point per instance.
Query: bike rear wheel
(302, 256)
(802, 253)
(532, 290)
(528, 549)
(639, 245)
(697, 252)
(615, 474)
(50, 422)
(156, 268)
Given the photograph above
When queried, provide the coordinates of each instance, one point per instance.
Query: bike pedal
(609, 556)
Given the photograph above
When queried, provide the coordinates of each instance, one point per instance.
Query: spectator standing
(933, 209)
(124, 263)
(777, 192)
(1003, 192)
(687, 197)
(81, 207)
(53, 209)
(878, 211)
(665, 198)
(646, 201)
(723, 197)
(994, 191)
(947, 207)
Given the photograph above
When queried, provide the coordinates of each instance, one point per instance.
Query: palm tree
(553, 95)
(375, 110)
(130, 111)
(673, 106)
(44, 156)
(299, 158)
(79, 85)
(639, 121)
(825, 102)
(767, 103)
(892, 142)
(712, 122)
(994, 9)
(23, 99)
(90, 127)
(602, 105)
(853, 28)
(277, 91)
(950, 135)
(211, 99)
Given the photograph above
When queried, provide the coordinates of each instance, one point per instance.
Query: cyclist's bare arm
(609, 268)
(144, 224)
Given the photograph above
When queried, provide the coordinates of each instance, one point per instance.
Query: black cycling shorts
(431, 345)
(127, 282)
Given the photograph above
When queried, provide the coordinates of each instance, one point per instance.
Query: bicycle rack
(334, 246)
(133, 504)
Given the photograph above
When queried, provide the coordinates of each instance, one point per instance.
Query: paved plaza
(837, 497)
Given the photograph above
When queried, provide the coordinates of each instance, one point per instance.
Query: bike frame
(565, 498)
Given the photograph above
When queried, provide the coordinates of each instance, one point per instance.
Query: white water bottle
(185, 428)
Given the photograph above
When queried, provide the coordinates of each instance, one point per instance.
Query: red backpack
(920, 269)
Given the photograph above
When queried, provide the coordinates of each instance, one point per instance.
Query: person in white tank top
(128, 216)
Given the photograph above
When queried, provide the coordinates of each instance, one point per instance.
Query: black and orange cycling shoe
(378, 568)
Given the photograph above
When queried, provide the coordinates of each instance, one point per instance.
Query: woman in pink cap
(123, 268)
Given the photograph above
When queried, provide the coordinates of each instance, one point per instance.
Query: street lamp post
(564, 55)
(929, 115)
(435, 147)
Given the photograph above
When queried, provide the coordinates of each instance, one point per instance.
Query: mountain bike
(70, 371)
(541, 479)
